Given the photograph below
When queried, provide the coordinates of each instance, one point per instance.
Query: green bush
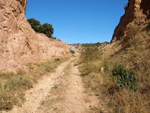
(34, 23)
(72, 51)
(57, 59)
(46, 28)
(125, 78)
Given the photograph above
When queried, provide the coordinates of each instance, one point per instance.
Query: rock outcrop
(137, 12)
(18, 41)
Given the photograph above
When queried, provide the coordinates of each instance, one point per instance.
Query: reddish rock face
(138, 12)
(18, 41)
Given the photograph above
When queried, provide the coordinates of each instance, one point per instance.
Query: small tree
(46, 28)
(34, 23)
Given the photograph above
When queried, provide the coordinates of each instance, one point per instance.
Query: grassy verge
(14, 85)
(121, 80)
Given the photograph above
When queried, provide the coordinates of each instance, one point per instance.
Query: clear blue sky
(78, 21)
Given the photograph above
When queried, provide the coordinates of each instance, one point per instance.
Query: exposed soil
(59, 92)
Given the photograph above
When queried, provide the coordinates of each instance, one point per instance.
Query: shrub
(72, 51)
(34, 23)
(46, 28)
(57, 59)
(125, 78)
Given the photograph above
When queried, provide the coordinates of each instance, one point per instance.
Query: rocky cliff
(18, 41)
(137, 12)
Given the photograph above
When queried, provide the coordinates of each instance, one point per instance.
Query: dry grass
(134, 54)
(88, 58)
(13, 86)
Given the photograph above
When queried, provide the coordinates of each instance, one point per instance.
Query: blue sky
(78, 21)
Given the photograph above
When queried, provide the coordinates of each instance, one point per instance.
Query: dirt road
(59, 92)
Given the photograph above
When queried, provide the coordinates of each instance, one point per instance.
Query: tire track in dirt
(75, 98)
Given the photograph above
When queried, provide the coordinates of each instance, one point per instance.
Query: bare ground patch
(67, 95)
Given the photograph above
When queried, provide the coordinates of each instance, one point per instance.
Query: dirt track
(59, 92)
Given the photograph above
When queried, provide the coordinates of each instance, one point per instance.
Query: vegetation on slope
(95, 44)
(46, 28)
(121, 80)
